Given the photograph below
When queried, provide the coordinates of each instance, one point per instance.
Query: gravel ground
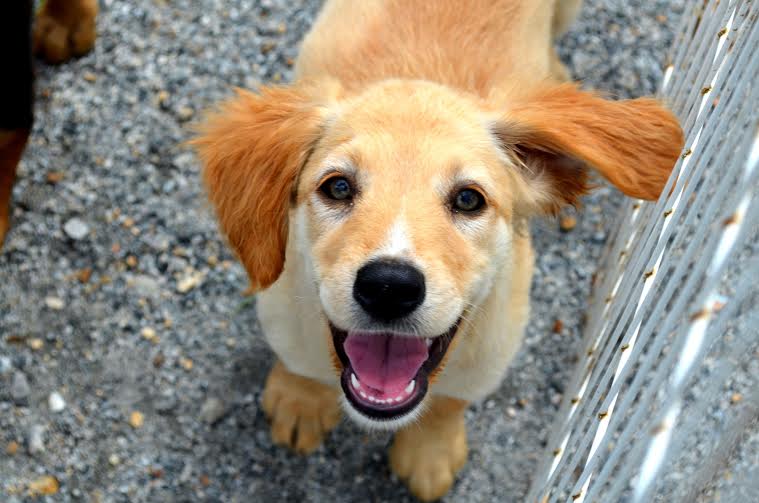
(131, 366)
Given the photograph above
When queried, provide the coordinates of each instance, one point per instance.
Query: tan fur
(410, 99)
(65, 28)
(428, 454)
(301, 410)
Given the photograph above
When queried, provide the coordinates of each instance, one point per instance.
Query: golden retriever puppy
(380, 204)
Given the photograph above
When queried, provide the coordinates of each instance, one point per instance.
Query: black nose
(388, 290)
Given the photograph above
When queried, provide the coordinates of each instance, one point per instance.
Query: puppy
(64, 28)
(380, 204)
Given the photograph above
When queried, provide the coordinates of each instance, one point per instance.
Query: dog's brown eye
(468, 201)
(337, 188)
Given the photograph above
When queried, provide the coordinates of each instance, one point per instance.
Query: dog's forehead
(409, 105)
(403, 125)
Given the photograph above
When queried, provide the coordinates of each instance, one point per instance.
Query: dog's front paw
(65, 28)
(428, 455)
(300, 409)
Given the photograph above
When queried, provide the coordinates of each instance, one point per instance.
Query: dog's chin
(385, 375)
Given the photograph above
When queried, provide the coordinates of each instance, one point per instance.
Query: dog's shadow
(349, 462)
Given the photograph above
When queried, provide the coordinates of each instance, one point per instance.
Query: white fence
(664, 404)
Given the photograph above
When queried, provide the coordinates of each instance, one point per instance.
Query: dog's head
(406, 202)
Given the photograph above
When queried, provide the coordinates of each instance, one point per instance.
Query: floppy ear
(252, 149)
(556, 133)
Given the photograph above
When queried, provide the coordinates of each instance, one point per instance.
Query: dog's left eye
(337, 188)
(468, 201)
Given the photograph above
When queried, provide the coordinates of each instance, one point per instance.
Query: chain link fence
(664, 404)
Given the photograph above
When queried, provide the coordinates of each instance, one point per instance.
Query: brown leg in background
(64, 29)
(300, 409)
(12, 145)
(428, 453)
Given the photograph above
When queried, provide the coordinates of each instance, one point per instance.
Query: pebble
(212, 411)
(76, 229)
(599, 237)
(6, 365)
(20, 389)
(136, 419)
(185, 113)
(149, 334)
(146, 286)
(186, 363)
(165, 403)
(113, 460)
(36, 439)
(187, 283)
(12, 448)
(55, 303)
(56, 402)
(43, 486)
(567, 223)
(54, 177)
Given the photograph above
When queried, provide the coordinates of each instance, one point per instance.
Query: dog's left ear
(556, 133)
(252, 149)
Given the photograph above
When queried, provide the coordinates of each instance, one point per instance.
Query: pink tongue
(385, 362)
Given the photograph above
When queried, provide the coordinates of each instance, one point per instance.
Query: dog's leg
(11, 148)
(300, 409)
(565, 12)
(429, 453)
(65, 28)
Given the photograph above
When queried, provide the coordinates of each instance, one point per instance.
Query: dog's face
(406, 225)
(406, 200)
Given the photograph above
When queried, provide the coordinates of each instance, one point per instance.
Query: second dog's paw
(301, 410)
(64, 29)
(427, 456)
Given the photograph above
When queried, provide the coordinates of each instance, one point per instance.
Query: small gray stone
(185, 113)
(212, 410)
(36, 439)
(146, 286)
(6, 365)
(56, 402)
(76, 229)
(20, 388)
(165, 403)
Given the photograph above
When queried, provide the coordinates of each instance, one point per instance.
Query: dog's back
(471, 45)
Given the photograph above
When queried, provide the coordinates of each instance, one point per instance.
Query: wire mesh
(654, 411)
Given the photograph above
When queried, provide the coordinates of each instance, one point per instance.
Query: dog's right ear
(252, 149)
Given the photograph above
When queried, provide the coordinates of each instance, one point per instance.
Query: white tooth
(354, 381)
(398, 398)
(428, 342)
(363, 395)
(372, 399)
(410, 386)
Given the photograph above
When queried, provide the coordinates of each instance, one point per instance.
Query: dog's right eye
(337, 188)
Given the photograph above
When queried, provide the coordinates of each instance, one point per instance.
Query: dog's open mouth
(385, 374)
